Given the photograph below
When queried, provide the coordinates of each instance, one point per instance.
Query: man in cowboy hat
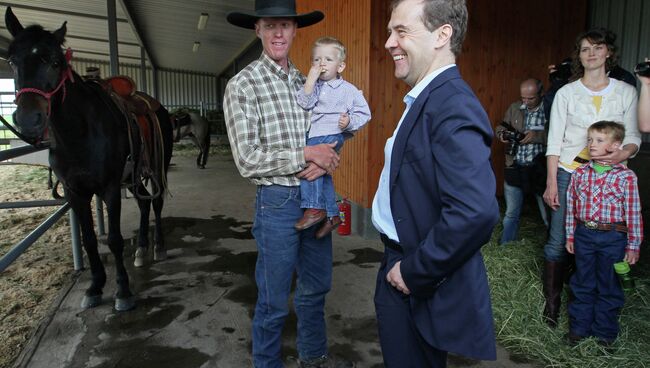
(267, 131)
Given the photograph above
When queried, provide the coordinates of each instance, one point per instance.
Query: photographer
(523, 132)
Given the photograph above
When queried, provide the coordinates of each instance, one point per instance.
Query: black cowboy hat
(274, 9)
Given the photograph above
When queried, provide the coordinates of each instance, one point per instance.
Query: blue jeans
(598, 296)
(282, 251)
(554, 250)
(320, 193)
(514, 202)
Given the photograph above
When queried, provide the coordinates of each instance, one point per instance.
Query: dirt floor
(32, 282)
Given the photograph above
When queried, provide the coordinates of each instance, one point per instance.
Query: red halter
(65, 75)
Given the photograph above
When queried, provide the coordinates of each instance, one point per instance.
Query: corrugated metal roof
(168, 29)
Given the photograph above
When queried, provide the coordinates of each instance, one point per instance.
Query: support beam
(143, 71)
(112, 37)
(77, 52)
(156, 92)
(84, 38)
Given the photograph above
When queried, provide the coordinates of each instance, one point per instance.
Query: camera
(562, 72)
(643, 69)
(513, 136)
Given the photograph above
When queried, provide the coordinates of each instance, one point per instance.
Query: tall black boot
(570, 269)
(553, 282)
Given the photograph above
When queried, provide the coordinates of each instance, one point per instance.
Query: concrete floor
(195, 308)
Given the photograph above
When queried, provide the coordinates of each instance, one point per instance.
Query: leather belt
(594, 225)
(390, 243)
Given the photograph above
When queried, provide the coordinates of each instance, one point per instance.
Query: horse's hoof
(140, 254)
(125, 304)
(91, 301)
(159, 254)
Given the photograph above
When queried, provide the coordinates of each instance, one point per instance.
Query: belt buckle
(592, 225)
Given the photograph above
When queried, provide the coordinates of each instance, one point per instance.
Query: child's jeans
(320, 193)
(598, 294)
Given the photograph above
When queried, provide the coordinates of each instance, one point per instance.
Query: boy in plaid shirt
(603, 226)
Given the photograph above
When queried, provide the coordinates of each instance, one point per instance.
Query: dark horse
(196, 127)
(94, 144)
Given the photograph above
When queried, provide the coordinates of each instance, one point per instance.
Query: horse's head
(40, 69)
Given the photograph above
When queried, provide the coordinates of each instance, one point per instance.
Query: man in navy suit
(435, 205)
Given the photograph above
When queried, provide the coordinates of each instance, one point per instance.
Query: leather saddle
(142, 110)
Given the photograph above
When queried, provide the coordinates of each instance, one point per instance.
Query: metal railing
(32, 237)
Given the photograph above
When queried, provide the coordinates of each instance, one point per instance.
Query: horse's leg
(197, 142)
(81, 207)
(160, 253)
(143, 231)
(124, 299)
(206, 149)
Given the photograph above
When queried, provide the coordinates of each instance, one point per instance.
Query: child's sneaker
(311, 217)
(328, 226)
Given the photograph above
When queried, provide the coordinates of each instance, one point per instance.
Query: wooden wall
(507, 41)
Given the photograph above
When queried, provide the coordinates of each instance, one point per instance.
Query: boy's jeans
(598, 296)
(320, 193)
(281, 251)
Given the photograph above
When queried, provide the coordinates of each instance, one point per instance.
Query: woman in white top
(591, 97)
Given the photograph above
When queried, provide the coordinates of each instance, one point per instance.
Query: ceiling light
(203, 20)
(196, 46)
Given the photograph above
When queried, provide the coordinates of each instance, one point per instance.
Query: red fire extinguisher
(345, 213)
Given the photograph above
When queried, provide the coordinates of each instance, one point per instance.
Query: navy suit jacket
(442, 197)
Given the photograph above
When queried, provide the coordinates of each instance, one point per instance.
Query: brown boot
(328, 226)
(553, 281)
(311, 217)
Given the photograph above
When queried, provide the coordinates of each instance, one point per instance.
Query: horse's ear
(60, 33)
(13, 25)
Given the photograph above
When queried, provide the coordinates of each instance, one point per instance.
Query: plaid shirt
(266, 127)
(533, 120)
(610, 197)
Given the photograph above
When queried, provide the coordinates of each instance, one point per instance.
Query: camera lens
(562, 72)
(643, 69)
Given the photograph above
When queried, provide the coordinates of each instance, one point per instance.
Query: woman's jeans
(514, 202)
(282, 251)
(319, 193)
(554, 250)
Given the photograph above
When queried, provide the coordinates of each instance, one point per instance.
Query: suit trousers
(401, 343)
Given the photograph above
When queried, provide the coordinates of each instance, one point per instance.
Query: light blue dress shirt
(382, 217)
